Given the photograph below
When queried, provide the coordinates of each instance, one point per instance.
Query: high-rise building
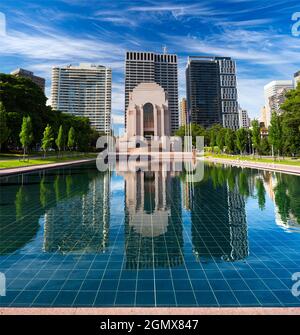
(263, 116)
(183, 112)
(212, 91)
(84, 90)
(296, 79)
(275, 93)
(145, 67)
(244, 119)
(30, 75)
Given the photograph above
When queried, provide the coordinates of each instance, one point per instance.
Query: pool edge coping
(28, 169)
(152, 311)
(272, 167)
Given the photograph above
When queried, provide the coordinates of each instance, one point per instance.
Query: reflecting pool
(80, 237)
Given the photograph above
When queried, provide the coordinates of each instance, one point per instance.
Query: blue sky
(257, 34)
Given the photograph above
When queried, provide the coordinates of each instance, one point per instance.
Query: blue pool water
(79, 237)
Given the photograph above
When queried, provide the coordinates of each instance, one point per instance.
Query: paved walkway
(290, 169)
(27, 169)
(151, 311)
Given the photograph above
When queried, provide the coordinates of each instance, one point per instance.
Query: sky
(38, 34)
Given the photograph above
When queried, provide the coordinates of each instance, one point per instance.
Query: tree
(220, 139)
(47, 139)
(230, 140)
(26, 136)
(213, 133)
(60, 139)
(212, 138)
(195, 129)
(264, 147)
(4, 130)
(275, 133)
(71, 138)
(255, 135)
(21, 98)
(291, 122)
(241, 139)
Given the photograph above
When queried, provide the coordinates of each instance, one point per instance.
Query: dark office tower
(211, 91)
(147, 67)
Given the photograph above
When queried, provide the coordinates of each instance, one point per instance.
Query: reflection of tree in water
(17, 225)
(287, 199)
(79, 221)
(219, 226)
(24, 199)
(261, 193)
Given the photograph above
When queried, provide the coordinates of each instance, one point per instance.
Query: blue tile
(246, 298)
(256, 285)
(125, 298)
(105, 299)
(165, 298)
(127, 285)
(201, 285)
(206, 298)
(145, 298)
(266, 297)
(219, 285)
(185, 298)
(85, 299)
(226, 298)
(109, 285)
(65, 298)
(145, 285)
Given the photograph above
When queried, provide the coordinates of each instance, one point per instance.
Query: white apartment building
(244, 119)
(84, 90)
(275, 95)
(229, 96)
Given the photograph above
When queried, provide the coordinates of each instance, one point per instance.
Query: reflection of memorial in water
(80, 223)
(153, 225)
(219, 225)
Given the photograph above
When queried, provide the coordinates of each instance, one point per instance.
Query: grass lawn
(285, 161)
(14, 163)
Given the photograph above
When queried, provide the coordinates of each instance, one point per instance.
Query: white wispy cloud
(41, 42)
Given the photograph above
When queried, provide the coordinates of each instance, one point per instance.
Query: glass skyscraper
(147, 67)
(212, 92)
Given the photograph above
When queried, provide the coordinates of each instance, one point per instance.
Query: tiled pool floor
(76, 237)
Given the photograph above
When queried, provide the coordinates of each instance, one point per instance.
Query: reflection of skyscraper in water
(219, 226)
(153, 225)
(80, 223)
(237, 225)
